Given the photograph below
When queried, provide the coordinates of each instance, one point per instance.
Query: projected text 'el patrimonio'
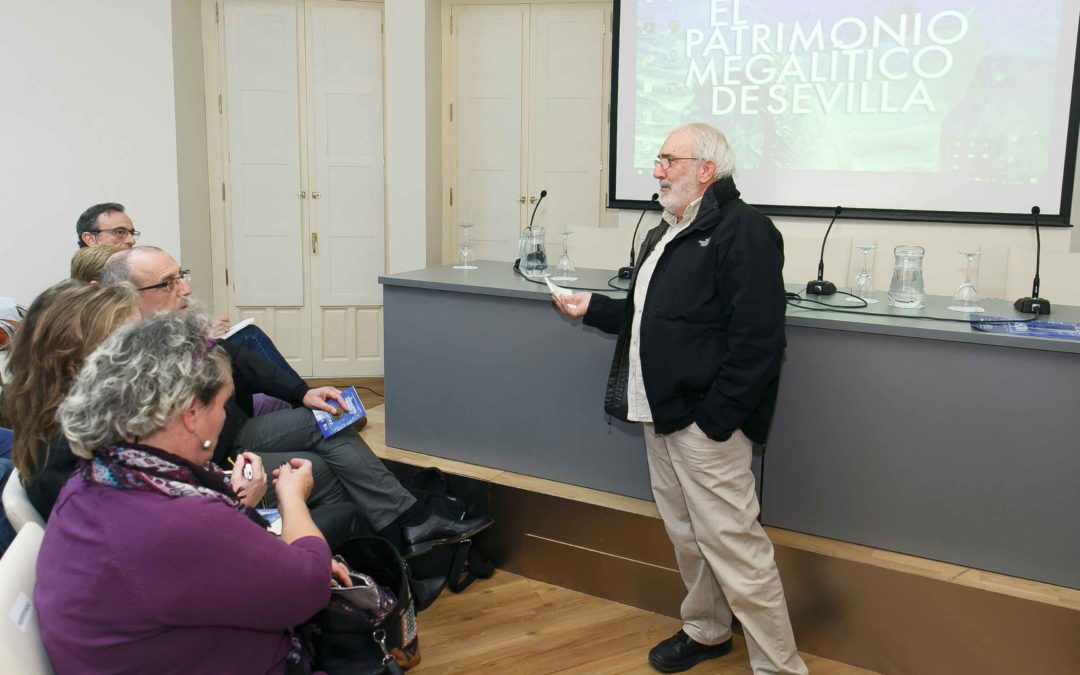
(850, 65)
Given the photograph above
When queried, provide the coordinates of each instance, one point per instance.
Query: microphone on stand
(543, 193)
(819, 286)
(628, 271)
(1034, 304)
(528, 231)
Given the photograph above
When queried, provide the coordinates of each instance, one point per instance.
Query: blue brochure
(1051, 329)
(272, 516)
(354, 410)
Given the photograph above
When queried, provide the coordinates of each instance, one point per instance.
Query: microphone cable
(796, 300)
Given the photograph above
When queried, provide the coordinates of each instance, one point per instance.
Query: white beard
(679, 194)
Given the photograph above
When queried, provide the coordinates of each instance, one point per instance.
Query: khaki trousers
(705, 493)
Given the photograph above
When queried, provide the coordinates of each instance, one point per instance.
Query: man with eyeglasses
(105, 224)
(345, 468)
(697, 363)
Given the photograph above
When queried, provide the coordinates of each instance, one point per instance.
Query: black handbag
(350, 642)
(457, 565)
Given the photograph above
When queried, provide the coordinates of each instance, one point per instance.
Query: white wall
(87, 116)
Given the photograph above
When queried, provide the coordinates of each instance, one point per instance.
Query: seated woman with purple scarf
(151, 561)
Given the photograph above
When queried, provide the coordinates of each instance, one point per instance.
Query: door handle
(315, 243)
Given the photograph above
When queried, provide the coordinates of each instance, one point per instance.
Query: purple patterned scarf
(131, 466)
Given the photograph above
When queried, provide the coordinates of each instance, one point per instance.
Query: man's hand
(573, 306)
(316, 399)
(220, 326)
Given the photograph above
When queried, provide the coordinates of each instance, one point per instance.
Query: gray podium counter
(923, 437)
(481, 368)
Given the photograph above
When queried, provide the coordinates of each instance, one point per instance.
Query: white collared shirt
(637, 405)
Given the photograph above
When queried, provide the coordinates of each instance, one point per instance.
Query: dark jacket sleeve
(252, 374)
(755, 334)
(605, 313)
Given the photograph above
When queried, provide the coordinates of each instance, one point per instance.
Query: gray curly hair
(140, 379)
(710, 144)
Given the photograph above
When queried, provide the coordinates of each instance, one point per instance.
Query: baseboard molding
(879, 610)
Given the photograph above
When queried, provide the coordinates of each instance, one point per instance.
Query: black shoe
(438, 531)
(680, 652)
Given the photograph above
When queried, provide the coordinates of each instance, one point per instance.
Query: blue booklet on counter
(354, 411)
(1038, 328)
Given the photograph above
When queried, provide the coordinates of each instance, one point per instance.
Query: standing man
(105, 224)
(697, 362)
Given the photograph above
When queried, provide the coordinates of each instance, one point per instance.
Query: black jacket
(44, 487)
(712, 329)
(252, 374)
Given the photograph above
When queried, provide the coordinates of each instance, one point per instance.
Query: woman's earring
(206, 444)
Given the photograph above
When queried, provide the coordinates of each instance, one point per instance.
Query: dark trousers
(345, 468)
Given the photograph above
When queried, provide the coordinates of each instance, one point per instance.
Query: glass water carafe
(906, 290)
(533, 253)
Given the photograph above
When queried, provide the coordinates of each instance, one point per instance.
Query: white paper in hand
(237, 327)
(557, 289)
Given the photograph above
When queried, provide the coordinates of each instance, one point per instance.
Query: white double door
(529, 102)
(305, 227)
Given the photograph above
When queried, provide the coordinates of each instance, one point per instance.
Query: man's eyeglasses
(665, 162)
(119, 232)
(185, 276)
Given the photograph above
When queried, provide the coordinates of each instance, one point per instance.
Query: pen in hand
(248, 472)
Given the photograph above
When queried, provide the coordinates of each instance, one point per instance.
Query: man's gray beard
(665, 199)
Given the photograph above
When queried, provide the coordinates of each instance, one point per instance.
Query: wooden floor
(510, 624)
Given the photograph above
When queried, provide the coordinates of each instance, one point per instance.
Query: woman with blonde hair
(62, 326)
(87, 262)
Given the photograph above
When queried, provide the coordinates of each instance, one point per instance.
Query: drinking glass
(466, 255)
(966, 298)
(564, 270)
(863, 287)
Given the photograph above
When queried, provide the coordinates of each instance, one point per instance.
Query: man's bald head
(162, 285)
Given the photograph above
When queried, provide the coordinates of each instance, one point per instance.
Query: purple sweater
(134, 582)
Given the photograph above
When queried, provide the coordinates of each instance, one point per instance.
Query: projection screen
(951, 110)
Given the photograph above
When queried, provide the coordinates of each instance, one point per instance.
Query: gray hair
(117, 268)
(140, 379)
(710, 144)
